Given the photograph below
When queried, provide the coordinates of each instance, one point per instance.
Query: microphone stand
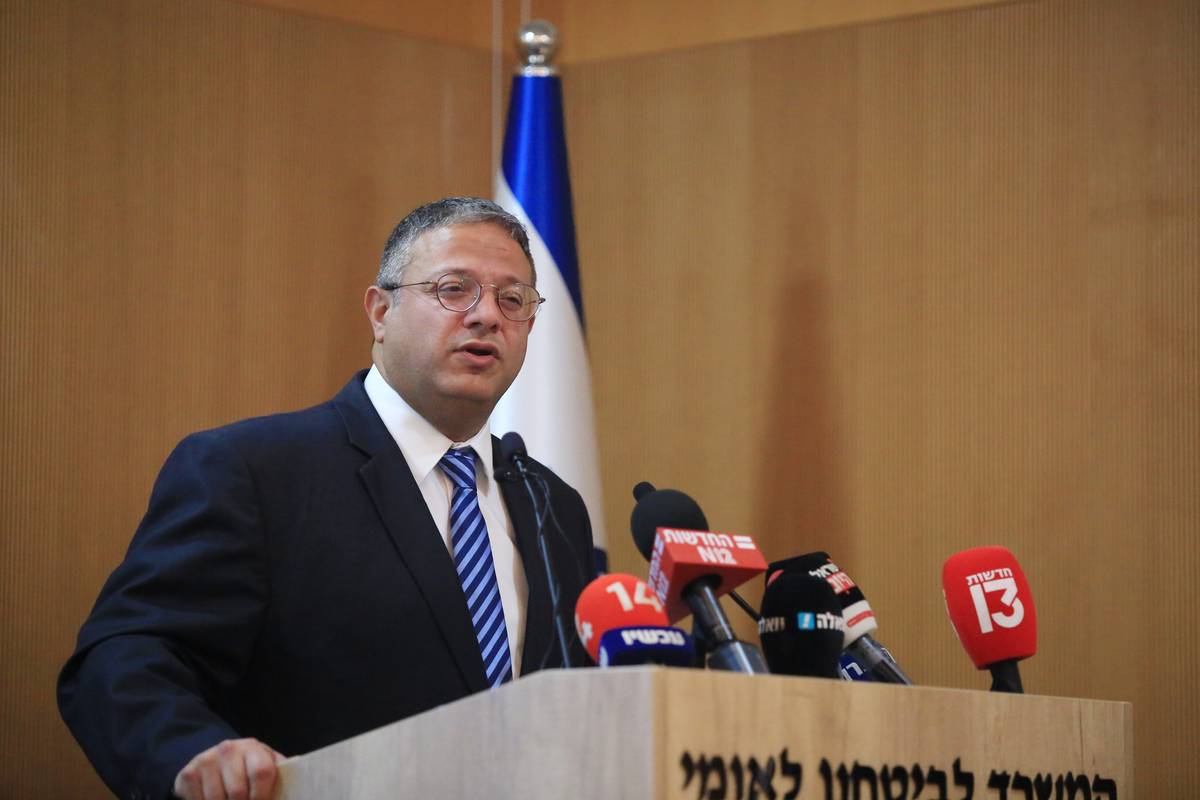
(1006, 677)
(877, 661)
(551, 582)
(725, 650)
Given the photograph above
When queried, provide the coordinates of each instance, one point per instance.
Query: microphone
(512, 451)
(690, 567)
(851, 670)
(801, 626)
(657, 508)
(856, 612)
(621, 622)
(684, 511)
(992, 610)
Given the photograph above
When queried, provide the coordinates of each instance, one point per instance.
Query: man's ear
(376, 303)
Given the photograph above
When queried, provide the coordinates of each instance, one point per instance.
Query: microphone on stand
(865, 653)
(852, 670)
(690, 567)
(801, 626)
(644, 488)
(621, 622)
(991, 608)
(512, 451)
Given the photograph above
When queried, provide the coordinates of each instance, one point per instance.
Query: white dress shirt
(423, 447)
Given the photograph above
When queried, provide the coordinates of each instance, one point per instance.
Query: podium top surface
(652, 732)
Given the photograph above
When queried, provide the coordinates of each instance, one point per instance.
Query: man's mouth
(480, 349)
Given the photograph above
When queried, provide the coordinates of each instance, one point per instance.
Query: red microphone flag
(682, 556)
(990, 604)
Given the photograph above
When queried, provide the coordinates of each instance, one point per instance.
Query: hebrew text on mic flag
(550, 403)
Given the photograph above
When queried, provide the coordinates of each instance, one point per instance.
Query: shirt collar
(421, 444)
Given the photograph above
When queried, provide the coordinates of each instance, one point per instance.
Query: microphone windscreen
(615, 600)
(663, 508)
(990, 605)
(801, 626)
(860, 619)
(511, 444)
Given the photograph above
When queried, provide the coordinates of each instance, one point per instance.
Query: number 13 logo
(1012, 618)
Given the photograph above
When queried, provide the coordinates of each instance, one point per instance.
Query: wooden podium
(650, 732)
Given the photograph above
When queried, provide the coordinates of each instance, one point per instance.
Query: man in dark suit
(305, 577)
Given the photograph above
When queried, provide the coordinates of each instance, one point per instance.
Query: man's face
(452, 367)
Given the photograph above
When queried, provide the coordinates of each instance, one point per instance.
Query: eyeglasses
(460, 293)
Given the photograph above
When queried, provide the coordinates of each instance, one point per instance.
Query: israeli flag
(550, 403)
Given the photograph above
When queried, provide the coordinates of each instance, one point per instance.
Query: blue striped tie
(473, 560)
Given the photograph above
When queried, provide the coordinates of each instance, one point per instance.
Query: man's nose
(486, 311)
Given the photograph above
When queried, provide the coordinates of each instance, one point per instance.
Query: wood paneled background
(195, 197)
(891, 290)
(902, 289)
(613, 29)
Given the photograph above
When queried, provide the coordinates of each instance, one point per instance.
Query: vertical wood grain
(195, 197)
(906, 288)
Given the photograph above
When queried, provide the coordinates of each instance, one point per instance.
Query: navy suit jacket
(288, 583)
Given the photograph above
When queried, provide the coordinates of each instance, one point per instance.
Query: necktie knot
(459, 466)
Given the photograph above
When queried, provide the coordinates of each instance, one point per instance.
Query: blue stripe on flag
(535, 166)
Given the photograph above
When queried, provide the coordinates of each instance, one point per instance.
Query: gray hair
(397, 253)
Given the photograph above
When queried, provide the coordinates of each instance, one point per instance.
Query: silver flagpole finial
(537, 42)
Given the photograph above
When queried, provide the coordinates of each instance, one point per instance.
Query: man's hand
(236, 769)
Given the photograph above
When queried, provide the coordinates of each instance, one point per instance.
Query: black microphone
(801, 627)
(662, 508)
(668, 508)
(857, 613)
(674, 505)
(512, 451)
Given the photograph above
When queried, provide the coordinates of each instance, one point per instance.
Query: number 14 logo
(642, 596)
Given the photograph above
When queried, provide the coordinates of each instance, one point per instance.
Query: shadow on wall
(802, 498)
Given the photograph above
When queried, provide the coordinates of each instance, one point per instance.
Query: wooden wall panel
(468, 23)
(613, 29)
(902, 289)
(195, 195)
(618, 29)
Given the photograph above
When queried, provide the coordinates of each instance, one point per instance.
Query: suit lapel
(539, 625)
(390, 484)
